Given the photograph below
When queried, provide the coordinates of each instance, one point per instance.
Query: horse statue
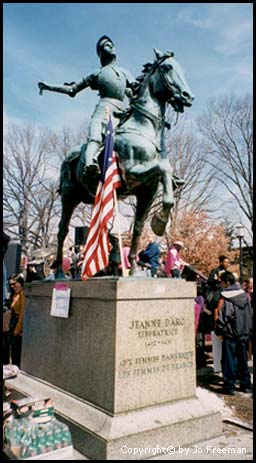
(139, 143)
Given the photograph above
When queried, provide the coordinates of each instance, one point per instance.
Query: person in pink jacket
(174, 264)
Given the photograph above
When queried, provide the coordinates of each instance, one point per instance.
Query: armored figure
(113, 84)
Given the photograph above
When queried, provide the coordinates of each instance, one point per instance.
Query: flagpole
(119, 234)
(107, 110)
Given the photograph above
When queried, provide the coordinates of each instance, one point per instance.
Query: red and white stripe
(97, 248)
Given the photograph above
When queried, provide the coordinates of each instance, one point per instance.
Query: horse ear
(158, 53)
(162, 56)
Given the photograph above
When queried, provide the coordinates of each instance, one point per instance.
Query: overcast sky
(56, 43)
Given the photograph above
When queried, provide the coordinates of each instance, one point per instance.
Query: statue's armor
(111, 82)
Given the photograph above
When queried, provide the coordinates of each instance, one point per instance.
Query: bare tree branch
(228, 149)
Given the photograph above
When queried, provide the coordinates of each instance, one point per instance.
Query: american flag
(97, 248)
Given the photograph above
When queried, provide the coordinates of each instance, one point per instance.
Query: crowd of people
(152, 259)
(223, 307)
(226, 313)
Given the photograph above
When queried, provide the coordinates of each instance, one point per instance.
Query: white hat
(179, 243)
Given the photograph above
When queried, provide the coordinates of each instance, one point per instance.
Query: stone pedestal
(127, 353)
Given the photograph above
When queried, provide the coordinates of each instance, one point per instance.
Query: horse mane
(136, 86)
(147, 68)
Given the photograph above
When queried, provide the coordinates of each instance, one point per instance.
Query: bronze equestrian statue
(139, 142)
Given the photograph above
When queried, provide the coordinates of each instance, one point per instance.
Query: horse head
(170, 80)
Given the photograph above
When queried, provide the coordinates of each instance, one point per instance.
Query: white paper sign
(60, 301)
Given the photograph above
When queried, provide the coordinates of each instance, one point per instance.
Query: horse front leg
(67, 210)
(145, 197)
(160, 219)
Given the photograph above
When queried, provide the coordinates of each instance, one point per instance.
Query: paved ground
(241, 404)
(236, 440)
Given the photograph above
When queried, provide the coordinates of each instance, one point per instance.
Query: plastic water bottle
(32, 451)
(41, 442)
(50, 444)
(26, 443)
(66, 436)
(13, 440)
(57, 437)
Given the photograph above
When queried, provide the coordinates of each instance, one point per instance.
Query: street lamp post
(21, 227)
(240, 235)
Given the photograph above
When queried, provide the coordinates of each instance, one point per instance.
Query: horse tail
(65, 174)
(68, 166)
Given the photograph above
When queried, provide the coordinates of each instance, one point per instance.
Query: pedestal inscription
(160, 366)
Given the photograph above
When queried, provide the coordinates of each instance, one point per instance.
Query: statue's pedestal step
(100, 436)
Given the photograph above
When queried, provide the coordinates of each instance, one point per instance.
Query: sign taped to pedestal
(60, 300)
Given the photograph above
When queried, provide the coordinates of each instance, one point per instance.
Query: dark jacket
(213, 289)
(151, 255)
(213, 279)
(114, 255)
(236, 312)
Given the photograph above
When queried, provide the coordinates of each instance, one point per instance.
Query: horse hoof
(158, 225)
(177, 182)
(60, 275)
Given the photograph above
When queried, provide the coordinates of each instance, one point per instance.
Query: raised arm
(70, 89)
